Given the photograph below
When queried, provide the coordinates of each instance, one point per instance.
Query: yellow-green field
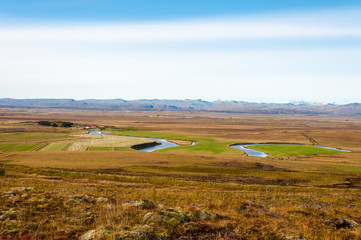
(105, 142)
(288, 149)
(25, 147)
(55, 146)
(84, 142)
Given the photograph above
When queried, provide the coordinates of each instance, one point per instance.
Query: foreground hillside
(190, 192)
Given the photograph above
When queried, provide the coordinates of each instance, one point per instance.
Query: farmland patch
(25, 147)
(55, 146)
(289, 149)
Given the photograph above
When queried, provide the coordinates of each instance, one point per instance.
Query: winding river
(254, 153)
(250, 152)
(163, 142)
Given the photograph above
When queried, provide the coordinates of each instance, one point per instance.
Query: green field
(288, 149)
(55, 146)
(150, 134)
(23, 137)
(99, 149)
(25, 147)
(123, 149)
(348, 168)
(6, 146)
(203, 145)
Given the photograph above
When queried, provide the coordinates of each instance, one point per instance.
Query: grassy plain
(224, 193)
(288, 150)
(202, 145)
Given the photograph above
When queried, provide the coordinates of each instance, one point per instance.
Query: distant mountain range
(188, 105)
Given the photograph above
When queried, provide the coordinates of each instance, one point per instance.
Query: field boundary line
(310, 139)
(66, 147)
(40, 146)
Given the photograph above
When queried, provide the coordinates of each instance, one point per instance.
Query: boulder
(85, 198)
(228, 234)
(18, 191)
(143, 232)
(166, 216)
(95, 234)
(201, 215)
(143, 204)
(101, 200)
(342, 223)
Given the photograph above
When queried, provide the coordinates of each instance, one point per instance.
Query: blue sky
(261, 51)
(135, 10)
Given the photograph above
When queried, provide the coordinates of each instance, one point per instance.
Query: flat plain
(203, 191)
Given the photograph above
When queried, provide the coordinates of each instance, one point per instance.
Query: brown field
(225, 195)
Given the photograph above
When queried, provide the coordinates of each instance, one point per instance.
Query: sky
(257, 51)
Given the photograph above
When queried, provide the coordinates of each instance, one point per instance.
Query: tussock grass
(65, 205)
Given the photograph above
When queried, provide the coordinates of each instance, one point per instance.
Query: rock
(197, 228)
(152, 217)
(201, 215)
(85, 198)
(91, 234)
(160, 206)
(143, 204)
(18, 191)
(94, 234)
(166, 216)
(351, 223)
(143, 232)
(101, 200)
(109, 207)
(342, 223)
(21, 189)
(228, 234)
(71, 201)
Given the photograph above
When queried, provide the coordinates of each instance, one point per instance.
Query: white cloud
(308, 25)
(120, 60)
(173, 32)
